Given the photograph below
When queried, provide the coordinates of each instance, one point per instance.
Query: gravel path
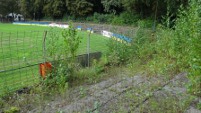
(126, 94)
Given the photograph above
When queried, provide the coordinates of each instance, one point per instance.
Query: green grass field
(22, 46)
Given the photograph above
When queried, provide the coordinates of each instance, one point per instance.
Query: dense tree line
(57, 9)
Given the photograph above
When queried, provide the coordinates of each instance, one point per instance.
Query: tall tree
(79, 7)
(58, 8)
(97, 6)
(9, 6)
(27, 8)
(54, 8)
(146, 8)
(38, 9)
(111, 6)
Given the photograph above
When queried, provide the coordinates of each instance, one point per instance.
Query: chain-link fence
(21, 53)
(123, 30)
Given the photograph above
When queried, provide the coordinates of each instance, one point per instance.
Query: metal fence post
(44, 46)
(88, 49)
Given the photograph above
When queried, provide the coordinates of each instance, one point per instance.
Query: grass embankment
(22, 46)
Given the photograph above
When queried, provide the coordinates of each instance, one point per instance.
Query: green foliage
(145, 23)
(79, 7)
(129, 18)
(111, 5)
(37, 9)
(71, 40)
(8, 6)
(159, 52)
(147, 8)
(117, 21)
(167, 103)
(12, 110)
(188, 33)
(141, 48)
(142, 44)
(126, 18)
(118, 53)
(166, 51)
(101, 18)
(93, 73)
(52, 8)
(26, 9)
(63, 54)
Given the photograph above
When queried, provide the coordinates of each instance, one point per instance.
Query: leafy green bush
(166, 51)
(142, 44)
(146, 23)
(126, 18)
(118, 53)
(117, 20)
(188, 40)
(63, 54)
(89, 18)
(102, 18)
(172, 51)
(129, 18)
(159, 52)
(181, 46)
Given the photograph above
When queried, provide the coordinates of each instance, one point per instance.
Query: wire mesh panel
(19, 58)
(96, 43)
(22, 52)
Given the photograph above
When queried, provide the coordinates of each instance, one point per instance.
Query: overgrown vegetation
(63, 55)
(62, 52)
(167, 51)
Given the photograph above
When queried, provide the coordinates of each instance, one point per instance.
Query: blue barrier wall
(34, 23)
(122, 37)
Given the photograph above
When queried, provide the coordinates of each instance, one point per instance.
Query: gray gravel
(122, 94)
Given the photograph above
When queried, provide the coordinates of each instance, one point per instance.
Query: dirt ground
(122, 94)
